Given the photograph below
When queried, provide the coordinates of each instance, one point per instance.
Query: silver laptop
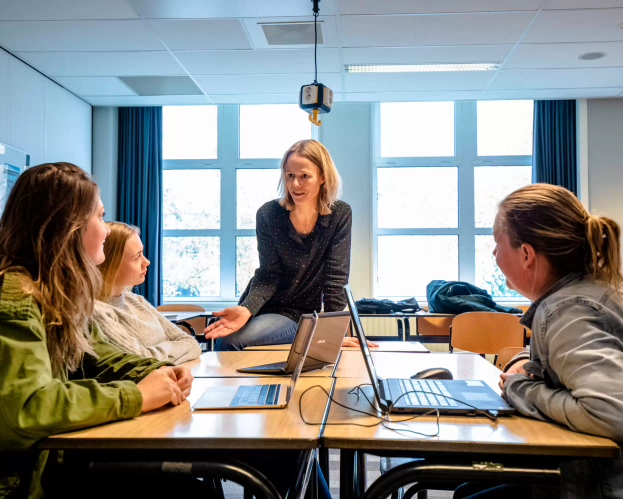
(324, 350)
(416, 396)
(265, 396)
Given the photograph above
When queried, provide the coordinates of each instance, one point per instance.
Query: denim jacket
(577, 373)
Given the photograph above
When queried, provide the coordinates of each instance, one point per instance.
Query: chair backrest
(486, 332)
(505, 355)
(198, 324)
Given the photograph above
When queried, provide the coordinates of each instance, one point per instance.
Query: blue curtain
(140, 187)
(554, 156)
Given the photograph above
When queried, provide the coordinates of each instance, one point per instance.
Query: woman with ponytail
(567, 262)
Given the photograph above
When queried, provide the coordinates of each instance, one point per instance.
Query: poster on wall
(12, 163)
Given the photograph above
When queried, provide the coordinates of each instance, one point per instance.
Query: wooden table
(224, 365)
(525, 444)
(181, 436)
(384, 346)
(404, 365)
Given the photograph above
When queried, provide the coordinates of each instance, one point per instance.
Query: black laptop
(331, 328)
(421, 395)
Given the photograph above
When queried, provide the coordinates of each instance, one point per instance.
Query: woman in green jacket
(57, 374)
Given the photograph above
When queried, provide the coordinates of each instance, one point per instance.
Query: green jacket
(35, 404)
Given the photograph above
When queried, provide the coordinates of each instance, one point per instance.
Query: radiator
(381, 326)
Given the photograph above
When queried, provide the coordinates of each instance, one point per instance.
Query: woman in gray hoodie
(567, 262)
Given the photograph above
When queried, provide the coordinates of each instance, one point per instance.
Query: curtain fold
(555, 155)
(140, 187)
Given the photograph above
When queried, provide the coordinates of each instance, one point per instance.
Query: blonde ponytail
(603, 260)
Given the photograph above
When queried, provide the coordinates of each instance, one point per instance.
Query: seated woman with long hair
(126, 319)
(57, 373)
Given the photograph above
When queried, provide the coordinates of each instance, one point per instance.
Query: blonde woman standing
(303, 241)
(126, 319)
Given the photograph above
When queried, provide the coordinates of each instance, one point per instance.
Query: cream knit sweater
(130, 323)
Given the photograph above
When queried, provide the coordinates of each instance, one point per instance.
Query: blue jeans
(267, 329)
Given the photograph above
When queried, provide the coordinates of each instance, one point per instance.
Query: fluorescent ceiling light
(418, 68)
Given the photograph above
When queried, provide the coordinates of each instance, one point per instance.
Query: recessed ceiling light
(592, 56)
(418, 68)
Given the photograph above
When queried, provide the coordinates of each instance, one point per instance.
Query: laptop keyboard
(435, 396)
(258, 395)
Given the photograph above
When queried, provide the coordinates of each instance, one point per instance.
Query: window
(441, 170)
(220, 165)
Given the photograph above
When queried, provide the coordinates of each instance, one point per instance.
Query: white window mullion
(228, 151)
(466, 150)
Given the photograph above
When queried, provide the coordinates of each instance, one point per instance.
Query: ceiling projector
(315, 98)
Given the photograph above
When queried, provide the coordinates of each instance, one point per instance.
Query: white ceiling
(85, 45)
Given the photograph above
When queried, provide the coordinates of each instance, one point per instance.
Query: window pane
(247, 260)
(253, 189)
(267, 131)
(417, 197)
(191, 266)
(408, 263)
(494, 183)
(189, 132)
(192, 199)
(488, 274)
(417, 129)
(505, 128)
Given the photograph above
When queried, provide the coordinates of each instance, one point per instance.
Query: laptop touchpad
(475, 397)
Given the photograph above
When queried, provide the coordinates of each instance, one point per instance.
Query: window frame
(228, 162)
(466, 159)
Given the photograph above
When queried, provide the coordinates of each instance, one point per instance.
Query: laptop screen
(367, 357)
(302, 347)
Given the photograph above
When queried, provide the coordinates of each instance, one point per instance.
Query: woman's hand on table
(516, 368)
(231, 320)
(160, 388)
(350, 341)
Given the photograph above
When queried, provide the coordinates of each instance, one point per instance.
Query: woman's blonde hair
(553, 221)
(114, 248)
(41, 238)
(330, 190)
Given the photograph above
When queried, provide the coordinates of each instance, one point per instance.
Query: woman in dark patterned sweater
(303, 241)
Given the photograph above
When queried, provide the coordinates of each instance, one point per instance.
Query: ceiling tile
(451, 29)
(582, 4)
(94, 85)
(264, 84)
(203, 9)
(557, 78)
(47, 10)
(589, 25)
(558, 93)
(426, 55)
(438, 6)
(412, 96)
(103, 63)
(84, 36)
(259, 61)
(565, 55)
(408, 82)
(192, 34)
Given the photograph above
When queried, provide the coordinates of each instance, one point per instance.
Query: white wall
(605, 157)
(41, 118)
(105, 147)
(346, 134)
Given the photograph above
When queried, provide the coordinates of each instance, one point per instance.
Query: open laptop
(266, 396)
(416, 396)
(324, 350)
